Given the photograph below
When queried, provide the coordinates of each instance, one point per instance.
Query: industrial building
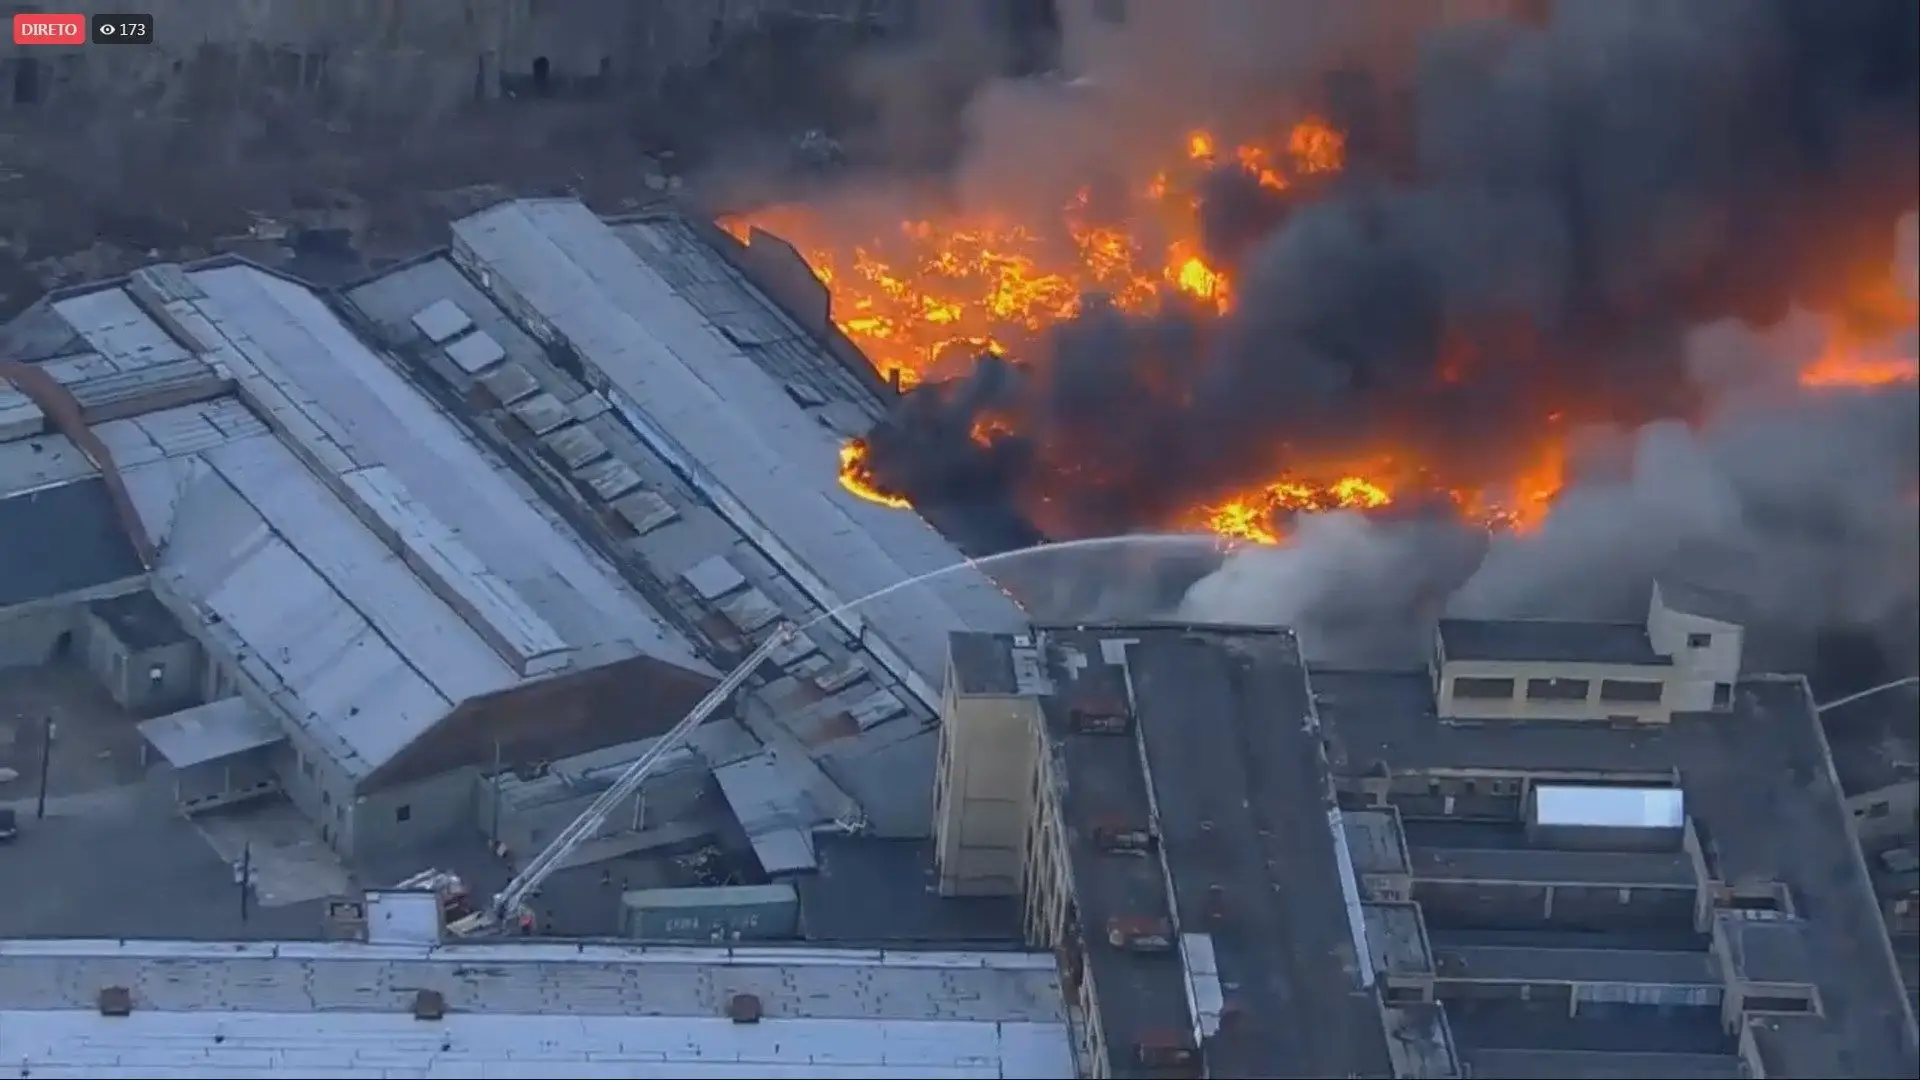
(682, 398)
(463, 516)
(1876, 754)
(1563, 849)
(368, 603)
(105, 1009)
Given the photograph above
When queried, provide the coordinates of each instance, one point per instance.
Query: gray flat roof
(871, 890)
(342, 1009)
(1648, 869)
(1244, 810)
(1533, 1064)
(60, 539)
(1548, 641)
(1537, 964)
(209, 732)
(1760, 788)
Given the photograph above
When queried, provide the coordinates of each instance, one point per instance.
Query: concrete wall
(30, 634)
(1519, 706)
(1885, 813)
(408, 817)
(318, 787)
(224, 782)
(146, 682)
(1697, 667)
(984, 793)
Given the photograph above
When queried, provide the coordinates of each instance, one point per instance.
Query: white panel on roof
(476, 352)
(713, 577)
(113, 324)
(441, 321)
(644, 510)
(773, 809)
(541, 413)
(1603, 806)
(875, 709)
(509, 383)
(749, 610)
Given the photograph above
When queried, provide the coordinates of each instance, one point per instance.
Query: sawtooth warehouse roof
(691, 425)
(731, 428)
(368, 565)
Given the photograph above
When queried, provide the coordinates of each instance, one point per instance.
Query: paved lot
(95, 742)
(284, 853)
(121, 863)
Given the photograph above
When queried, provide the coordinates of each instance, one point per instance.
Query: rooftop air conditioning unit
(1122, 838)
(1168, 1050)
(1142, 934)
(1099, 717)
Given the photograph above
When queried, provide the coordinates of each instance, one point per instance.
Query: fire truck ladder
(512, 900)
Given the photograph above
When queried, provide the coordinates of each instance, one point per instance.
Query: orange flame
(982, 284)
(856, 475)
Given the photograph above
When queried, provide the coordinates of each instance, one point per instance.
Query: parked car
(9, 825)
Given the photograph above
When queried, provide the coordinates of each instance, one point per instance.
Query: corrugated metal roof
(774, 810)
(366, 618)
(729, 426)
(209, 732)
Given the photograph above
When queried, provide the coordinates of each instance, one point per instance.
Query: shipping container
(731, 913)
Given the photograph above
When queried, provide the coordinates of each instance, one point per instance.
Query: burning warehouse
(1452, 269)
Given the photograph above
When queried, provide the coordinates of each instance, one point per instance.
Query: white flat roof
(525, 1010)
(209, 732)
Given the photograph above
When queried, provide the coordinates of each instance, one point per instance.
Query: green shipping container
(725, 914)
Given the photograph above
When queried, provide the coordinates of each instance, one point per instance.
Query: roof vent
(429, 1005)
(744, 1008)
(1217, 905)
(1139, 933)
(1166, 1050)
(1119, 837)
(115, 1001)
(1099, 715)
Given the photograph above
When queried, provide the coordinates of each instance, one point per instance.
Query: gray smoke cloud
(1805, 502)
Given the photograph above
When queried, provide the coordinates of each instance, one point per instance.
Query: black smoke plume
(1543, 206)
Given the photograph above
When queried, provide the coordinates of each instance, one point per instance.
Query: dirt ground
(79, 201)
(95, 742)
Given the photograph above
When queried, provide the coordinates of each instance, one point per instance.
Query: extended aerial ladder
(510, 904)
